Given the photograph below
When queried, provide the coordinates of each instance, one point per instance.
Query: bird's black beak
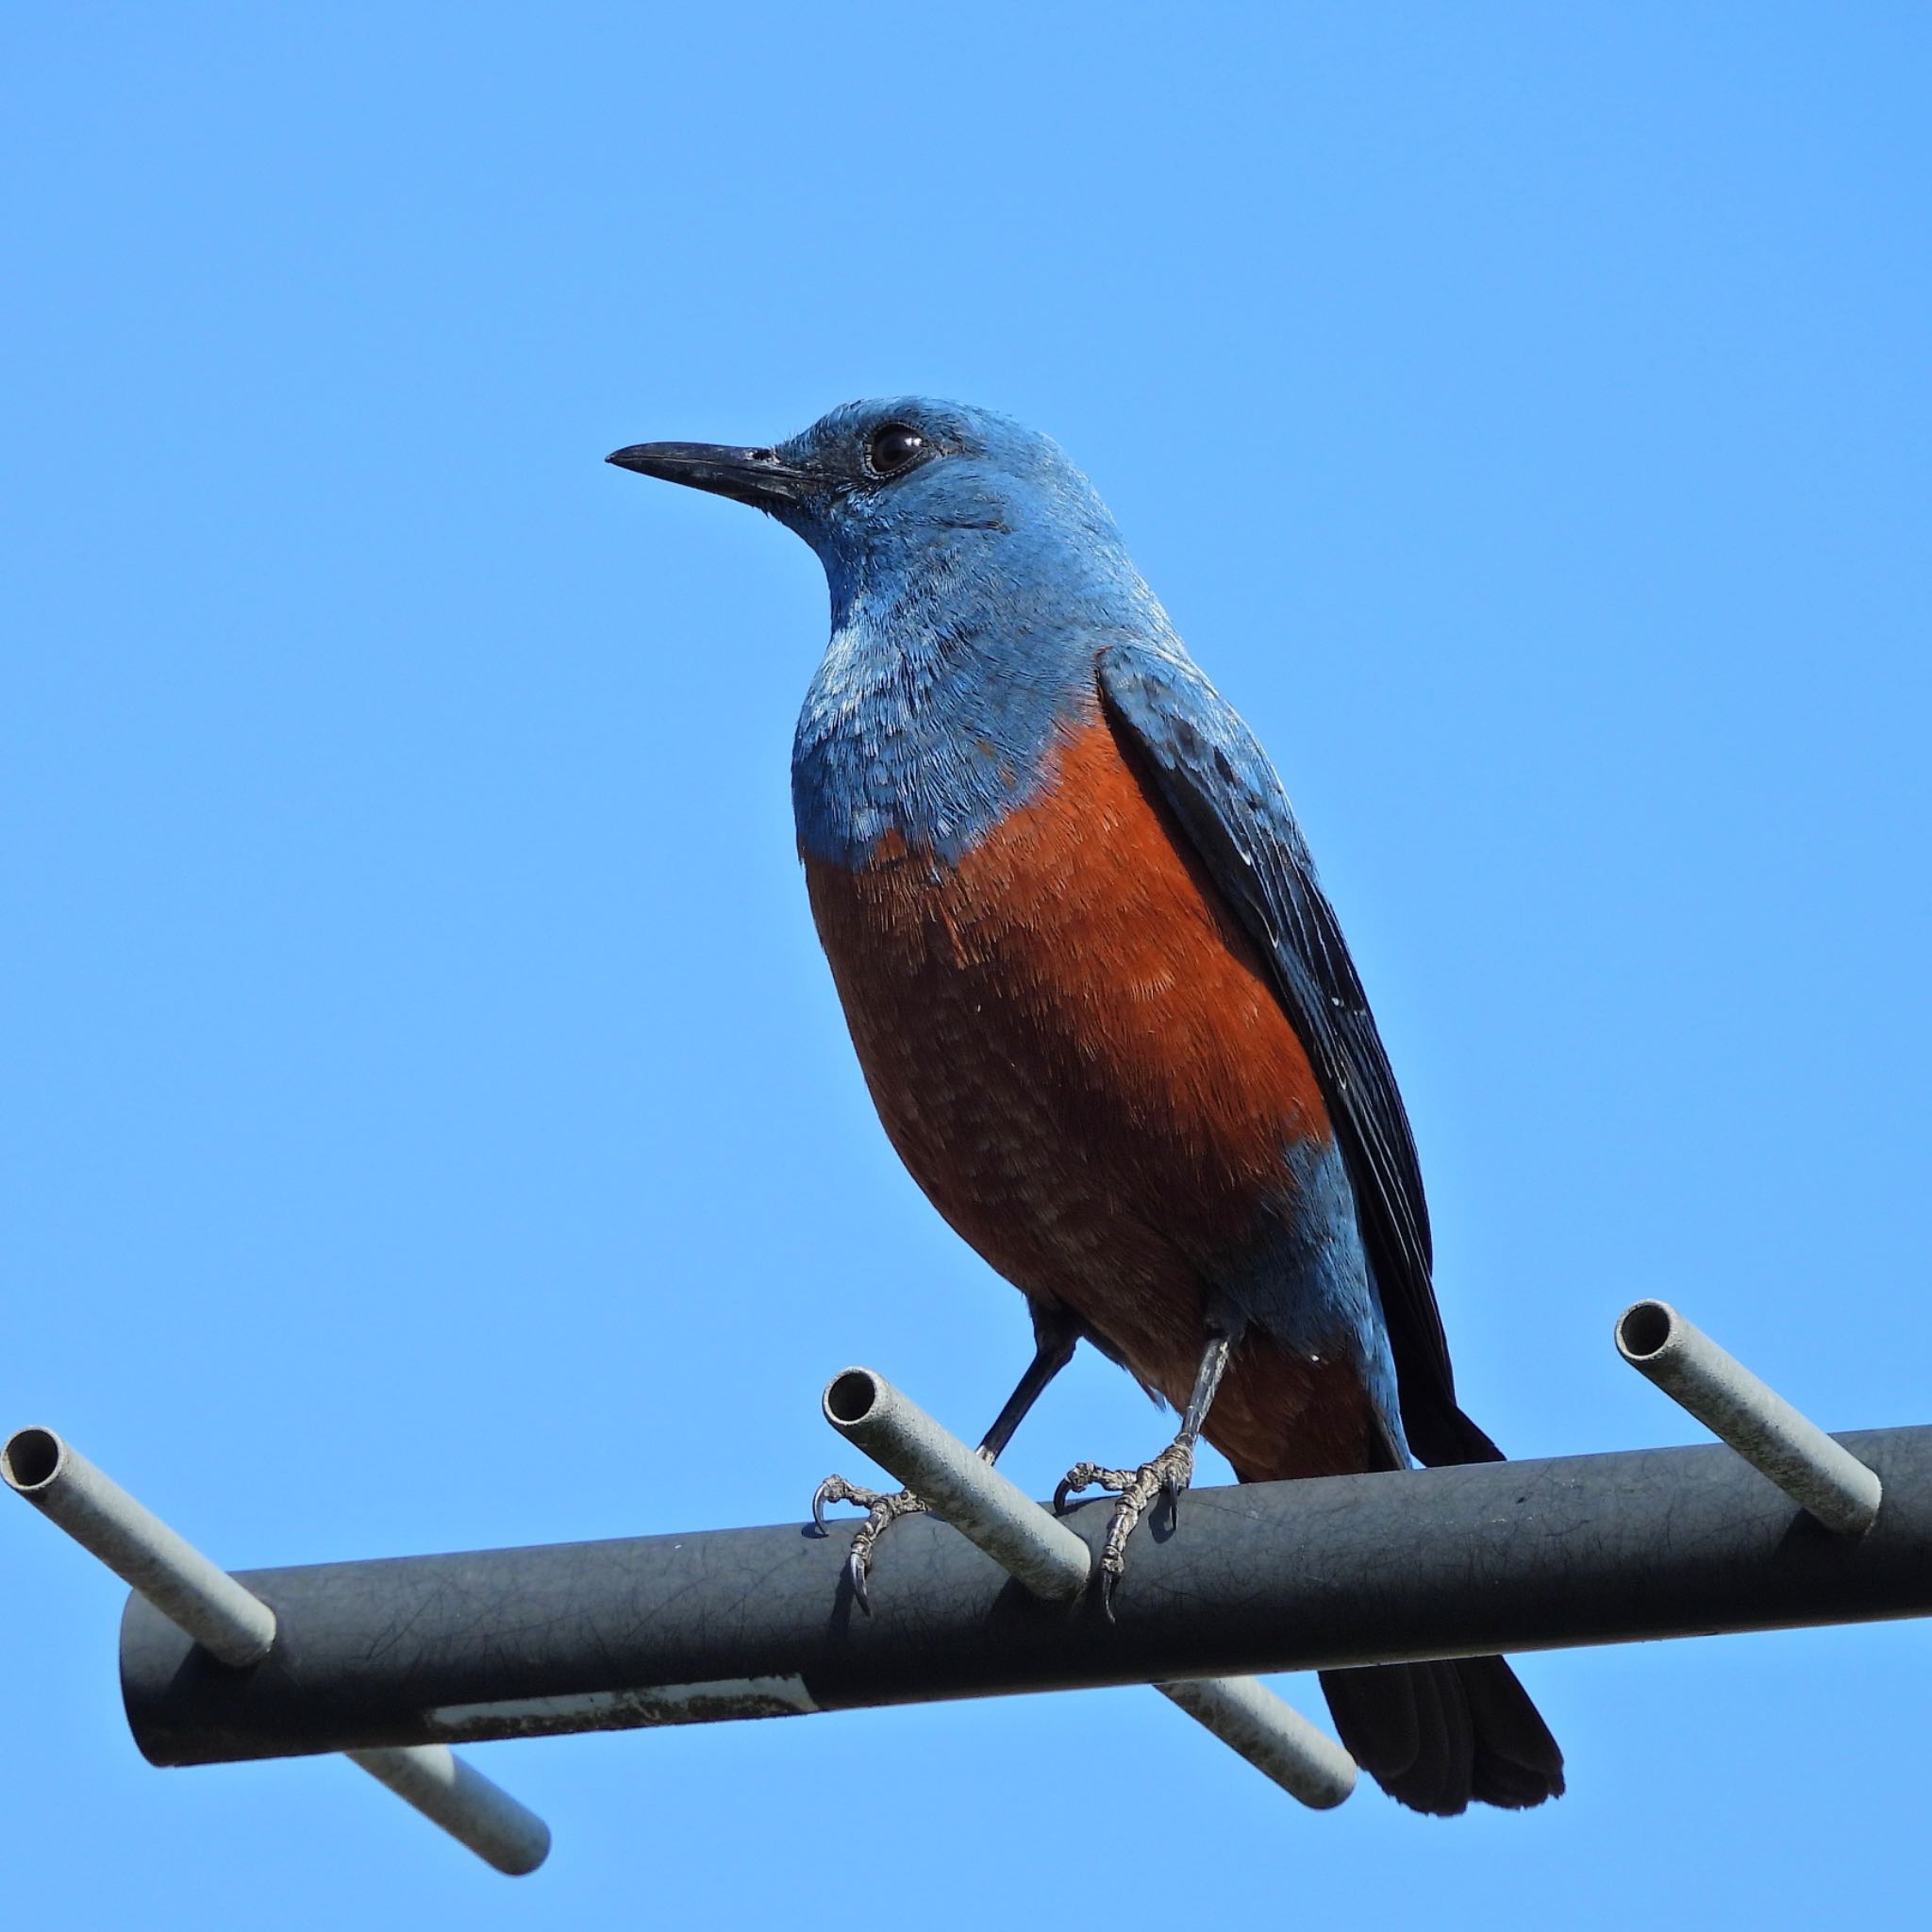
(757, 477)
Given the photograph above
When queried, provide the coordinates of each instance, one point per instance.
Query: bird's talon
(835, 1489)
(1083, 1475)
(1171, 1488)
(1137, 1490)
(881, 1512)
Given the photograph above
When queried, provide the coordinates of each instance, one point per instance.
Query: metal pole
(1272, 1735)
(463, 1801)
(958, 1484)
(233, 1631)
(192, 1593)
(1752, 1416)
(1266, 1576)
(960, 1487)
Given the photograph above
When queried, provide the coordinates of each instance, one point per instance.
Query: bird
(1106, 1012)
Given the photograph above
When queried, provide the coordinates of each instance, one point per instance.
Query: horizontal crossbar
(758, 1623)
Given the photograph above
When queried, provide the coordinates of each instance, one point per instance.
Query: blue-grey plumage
(1101, 1002)
(968, 605)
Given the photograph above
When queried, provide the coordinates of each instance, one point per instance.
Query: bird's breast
(1076, 1047)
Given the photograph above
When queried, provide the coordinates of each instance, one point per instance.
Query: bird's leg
(1168, 1475)
(1053, 1336)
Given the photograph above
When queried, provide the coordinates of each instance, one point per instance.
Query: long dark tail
(1440, 1737)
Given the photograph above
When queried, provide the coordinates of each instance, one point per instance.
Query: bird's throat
(914, 741)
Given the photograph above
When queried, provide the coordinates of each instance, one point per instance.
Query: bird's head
(889, 491)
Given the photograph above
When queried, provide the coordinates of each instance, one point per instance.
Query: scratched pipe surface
(1271, 1576)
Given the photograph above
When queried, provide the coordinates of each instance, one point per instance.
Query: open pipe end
(1647, 1329)
(31, 1459)
(850, 1396)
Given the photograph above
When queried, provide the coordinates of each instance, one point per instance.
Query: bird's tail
(1438, 1736)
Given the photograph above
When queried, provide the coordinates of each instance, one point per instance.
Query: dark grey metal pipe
(757, 1622)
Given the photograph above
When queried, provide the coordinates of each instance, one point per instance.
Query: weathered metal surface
(1341, 1571)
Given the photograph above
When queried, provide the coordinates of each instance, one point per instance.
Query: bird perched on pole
(1106, 1012)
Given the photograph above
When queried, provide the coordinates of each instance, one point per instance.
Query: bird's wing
(1221, 789)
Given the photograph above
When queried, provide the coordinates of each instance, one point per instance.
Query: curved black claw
(858, 1568)
(1109, 1578)
(820, 1497)
(835, 1489)
(1171, 1488)
(1083, 1475)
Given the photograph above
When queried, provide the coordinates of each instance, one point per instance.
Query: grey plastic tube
(962, 1488)
(958, 1485)
(1815, 1471)
(192, 1593)
(1271, 1734)
(467, 1805)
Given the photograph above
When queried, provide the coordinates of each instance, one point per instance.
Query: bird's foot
(1167, 1475)
(881, 1512)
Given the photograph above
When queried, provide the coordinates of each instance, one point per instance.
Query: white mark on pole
(623, 1710)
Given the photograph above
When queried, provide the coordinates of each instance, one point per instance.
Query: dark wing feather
(1219, 786)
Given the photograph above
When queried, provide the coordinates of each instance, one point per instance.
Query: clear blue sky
(417, 1046)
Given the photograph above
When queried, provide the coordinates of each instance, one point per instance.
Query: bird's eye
(893, 446)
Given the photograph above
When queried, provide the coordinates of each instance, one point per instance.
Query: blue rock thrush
(1104, 1011)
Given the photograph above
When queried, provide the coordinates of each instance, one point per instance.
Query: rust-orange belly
(1077, 1051)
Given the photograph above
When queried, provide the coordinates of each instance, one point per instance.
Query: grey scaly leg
(1168, 1475)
